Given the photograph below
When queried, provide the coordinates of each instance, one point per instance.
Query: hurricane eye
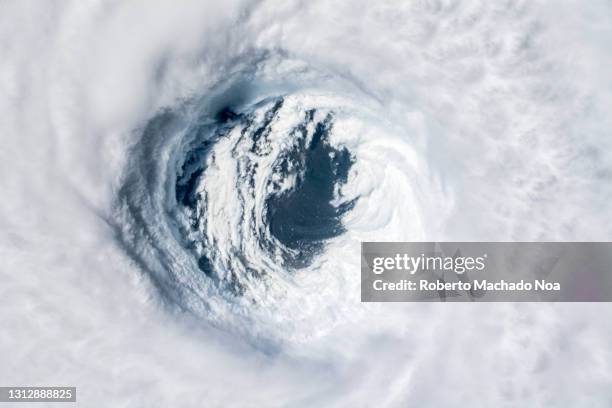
(228, 201)
(303, 217)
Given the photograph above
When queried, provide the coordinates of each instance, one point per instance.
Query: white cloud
(506, 105)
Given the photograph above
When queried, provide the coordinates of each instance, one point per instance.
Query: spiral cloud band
(185, 187)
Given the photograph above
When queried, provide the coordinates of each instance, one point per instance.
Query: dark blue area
(192, 169)
(226, 114)
(304, 218)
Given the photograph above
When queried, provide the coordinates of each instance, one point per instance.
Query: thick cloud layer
(469, 120)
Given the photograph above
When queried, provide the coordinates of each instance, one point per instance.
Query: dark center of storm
(304, 217)
(302, 206)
